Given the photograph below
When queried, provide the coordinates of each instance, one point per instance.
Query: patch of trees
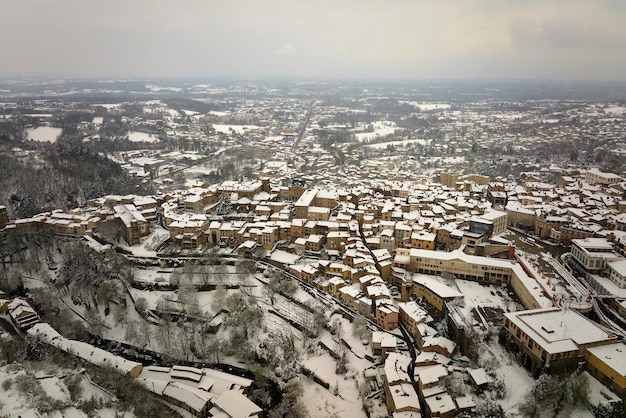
(60, 177)
(181, 104)
(556, 396)
(89, 277)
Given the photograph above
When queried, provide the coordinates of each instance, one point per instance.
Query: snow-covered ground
(44, 134)
(425, 106)
(227, 129)
(381, 128)
(134, 136)
(15, 401)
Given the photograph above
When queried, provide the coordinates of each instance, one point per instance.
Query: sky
(383, 39)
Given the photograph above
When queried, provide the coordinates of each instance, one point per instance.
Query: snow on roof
(235, 404)
(128, 213)
(618, 266)
(284, 257)
(430, 374)
(442, 342)
(352, 291)
(440, 404)
(377, 290)
(396, 368)
(195, 398)
(94, 355)
(436, 286)
(465, 402)
(414, 311)
(404, 396)
(479, 376)
(613, 355)
(384, 339)
(558, 330)
(594, 244)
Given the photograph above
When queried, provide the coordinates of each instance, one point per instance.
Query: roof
(197, 399)
(44, 332)
(440, 403)
(414, 311)
(613, 355)
(438, 288)
(235, 404)
(465, 402)
(442, 342)
(558, 330)
(479, 376)
(404, 396)
(430, 374)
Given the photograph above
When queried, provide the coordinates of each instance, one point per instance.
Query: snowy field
(616, 110)
(44, 134)
(134, 136)
(381, 128)
(425, 106)
(239, 129)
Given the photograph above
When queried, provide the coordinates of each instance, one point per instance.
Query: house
(434, 292)
(440, 345)
(383, 343)
(411, 315)
(134, 223)
(386, 316)
(400, 394)
(22, 314)
(235, 404)
(590, 255)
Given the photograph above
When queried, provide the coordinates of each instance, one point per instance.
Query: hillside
(37, 177)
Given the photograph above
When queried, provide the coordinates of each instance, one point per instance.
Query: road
(303, 127)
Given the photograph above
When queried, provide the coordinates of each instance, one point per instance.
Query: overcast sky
(553, 39)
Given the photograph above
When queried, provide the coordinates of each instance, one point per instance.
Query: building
(411, 315)
(595, 176)
(590, 255)
(94, 355)
(617, 272)
(383, 344)
(4, 216)
(553, 338)
(22, 314)
(135, 224)
(607, 363)
(400, 394)
(434, 292)
(386, 316)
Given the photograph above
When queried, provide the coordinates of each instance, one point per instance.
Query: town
(317, 248)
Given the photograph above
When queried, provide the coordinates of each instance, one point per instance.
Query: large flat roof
(558, 330)
(613, 355)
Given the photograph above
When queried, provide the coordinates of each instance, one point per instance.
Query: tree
(291, 405)
(359, 327)
(138, 332)
(141, 305)
(612, 410)
(188, 296)
(11, 281)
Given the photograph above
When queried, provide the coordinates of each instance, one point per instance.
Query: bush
(6, 385)
(73, 386)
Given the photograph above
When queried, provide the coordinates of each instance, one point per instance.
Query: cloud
(286, 50)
